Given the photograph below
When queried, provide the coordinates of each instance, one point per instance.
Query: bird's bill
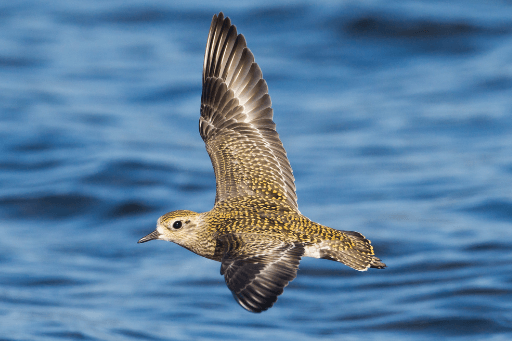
(152, 236)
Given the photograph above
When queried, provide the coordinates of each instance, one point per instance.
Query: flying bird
(255, 228)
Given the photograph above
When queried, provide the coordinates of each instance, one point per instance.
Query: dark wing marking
(257, 269)
(236, 122)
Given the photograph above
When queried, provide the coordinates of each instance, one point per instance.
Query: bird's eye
(176, 225)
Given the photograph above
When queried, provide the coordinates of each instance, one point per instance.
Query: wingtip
(254, 308)
(219, 17)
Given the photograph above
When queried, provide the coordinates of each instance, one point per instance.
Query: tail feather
(351, 249)
(377, 263)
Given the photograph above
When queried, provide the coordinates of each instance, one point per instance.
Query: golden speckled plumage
(255, 228)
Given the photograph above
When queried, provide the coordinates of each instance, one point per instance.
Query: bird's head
(181, 227)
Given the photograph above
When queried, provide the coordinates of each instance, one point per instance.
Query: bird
(255, 228)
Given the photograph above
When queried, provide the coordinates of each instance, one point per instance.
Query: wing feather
(257, 269)
(236, 121)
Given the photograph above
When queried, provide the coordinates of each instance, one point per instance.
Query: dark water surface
(397, 119)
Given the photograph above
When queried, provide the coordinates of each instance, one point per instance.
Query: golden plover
(255, 228)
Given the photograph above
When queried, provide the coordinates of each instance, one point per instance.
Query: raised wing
(257, 269)
(236, 121)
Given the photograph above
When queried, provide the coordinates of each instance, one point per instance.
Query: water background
(397, 120)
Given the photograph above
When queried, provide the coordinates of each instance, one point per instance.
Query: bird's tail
(352, 249)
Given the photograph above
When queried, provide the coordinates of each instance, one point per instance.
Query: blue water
(397, 120)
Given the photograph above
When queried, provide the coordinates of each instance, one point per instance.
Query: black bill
(152, 236)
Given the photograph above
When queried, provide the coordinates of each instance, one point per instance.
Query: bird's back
(271, 219)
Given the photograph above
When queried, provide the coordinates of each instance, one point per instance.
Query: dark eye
(176, 225)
